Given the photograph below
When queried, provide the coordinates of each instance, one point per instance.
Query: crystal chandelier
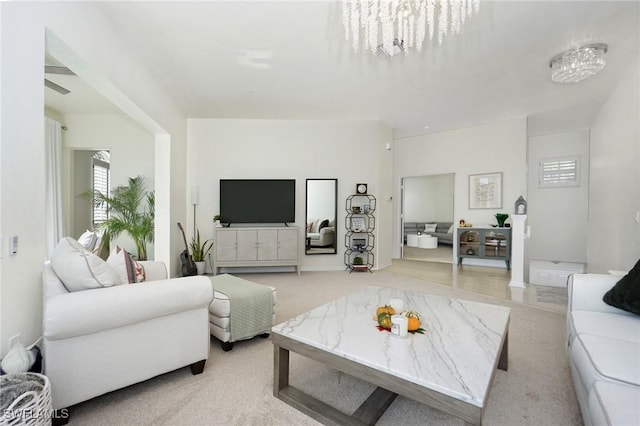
(578, 63)
(388, 25)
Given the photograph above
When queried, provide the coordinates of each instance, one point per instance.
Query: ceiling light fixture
(578, 63)
(385, 24)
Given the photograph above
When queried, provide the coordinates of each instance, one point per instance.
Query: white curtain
(53, 175)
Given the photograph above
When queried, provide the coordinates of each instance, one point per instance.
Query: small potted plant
(199, 251)
(216, 220)
(501, 218)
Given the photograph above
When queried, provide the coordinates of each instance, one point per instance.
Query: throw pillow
(323, 224)
(450, 231)
(97, 246)
(79, 269)
(129, 271)
(626, 293)
(309, 226)
(430, 227)
(88, 240)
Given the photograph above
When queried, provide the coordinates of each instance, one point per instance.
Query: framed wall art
(358, 224)
(485, 191)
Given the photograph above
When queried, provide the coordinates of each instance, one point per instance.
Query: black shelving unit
(359, 239)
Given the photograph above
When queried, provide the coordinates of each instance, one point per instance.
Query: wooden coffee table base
(374, 407)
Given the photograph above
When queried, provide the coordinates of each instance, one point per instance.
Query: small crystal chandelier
(578, 63)
(394, 25)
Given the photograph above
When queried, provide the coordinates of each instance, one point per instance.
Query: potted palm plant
(126, 213)
(199, 251)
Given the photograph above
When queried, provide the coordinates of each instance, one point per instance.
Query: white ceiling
(290, 60)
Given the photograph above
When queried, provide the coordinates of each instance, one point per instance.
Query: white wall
(489, 148)
(132, 154)
(22, 171)
(614, 194)
(22, 34)
(283, 149)
(322, 205)
(558, 216)
(428, 198)
(77, 209)
(385, 197)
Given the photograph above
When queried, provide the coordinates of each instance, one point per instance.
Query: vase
(200, 267)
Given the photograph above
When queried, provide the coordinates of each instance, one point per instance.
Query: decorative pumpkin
(384, 319)
(413, 320)
(386, 309)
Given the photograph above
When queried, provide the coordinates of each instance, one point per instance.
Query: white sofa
(100, 340)
(603, 344)
(321, 237)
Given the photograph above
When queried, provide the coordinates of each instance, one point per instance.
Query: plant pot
(201, 266)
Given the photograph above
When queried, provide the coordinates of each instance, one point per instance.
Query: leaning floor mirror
(320, 216)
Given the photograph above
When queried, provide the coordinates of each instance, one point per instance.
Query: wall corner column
(517, 251)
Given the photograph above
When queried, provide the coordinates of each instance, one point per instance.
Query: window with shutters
(558, 172)
(100, 182)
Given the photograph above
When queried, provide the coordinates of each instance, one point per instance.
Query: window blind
(100, 183)
(558, 172)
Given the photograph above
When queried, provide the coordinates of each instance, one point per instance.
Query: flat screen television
(257, 200)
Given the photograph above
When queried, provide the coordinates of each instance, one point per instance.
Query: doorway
(427, 206)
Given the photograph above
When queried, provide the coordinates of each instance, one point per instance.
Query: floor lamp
(195, 199)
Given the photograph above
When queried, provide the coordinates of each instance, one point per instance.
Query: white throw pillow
(128, 270)
(79, 269)
(450, 231)
(430, 227)
(96, 246)
(88, 240)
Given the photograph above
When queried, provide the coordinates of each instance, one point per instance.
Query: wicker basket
(32, 408)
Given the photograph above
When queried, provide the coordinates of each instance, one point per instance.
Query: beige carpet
(236, 386)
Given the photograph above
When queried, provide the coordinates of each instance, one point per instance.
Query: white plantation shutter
(558, 172)
(100, 183)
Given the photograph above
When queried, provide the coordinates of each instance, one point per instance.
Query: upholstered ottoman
(240, 309)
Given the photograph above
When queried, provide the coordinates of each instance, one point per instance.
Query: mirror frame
(308, 250)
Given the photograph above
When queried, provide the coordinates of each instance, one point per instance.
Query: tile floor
(484, 280)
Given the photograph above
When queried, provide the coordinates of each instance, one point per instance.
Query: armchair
(100, 340)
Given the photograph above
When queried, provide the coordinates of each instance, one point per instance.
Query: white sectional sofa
(603, 344)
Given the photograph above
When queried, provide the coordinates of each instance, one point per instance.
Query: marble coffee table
(450, 367)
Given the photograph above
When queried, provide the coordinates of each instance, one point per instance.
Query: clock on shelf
(361, 188)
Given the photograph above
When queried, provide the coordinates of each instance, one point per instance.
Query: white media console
(256, 247)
